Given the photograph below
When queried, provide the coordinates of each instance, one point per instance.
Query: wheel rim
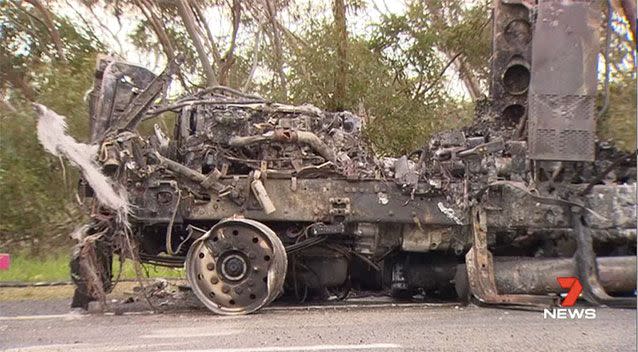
(237, 267)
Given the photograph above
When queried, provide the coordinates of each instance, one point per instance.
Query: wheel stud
(228, 281)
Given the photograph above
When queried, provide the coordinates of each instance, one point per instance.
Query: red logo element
(575, 288)
(5, 261)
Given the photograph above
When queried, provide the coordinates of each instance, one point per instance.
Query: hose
(169, 229)
(304, 137)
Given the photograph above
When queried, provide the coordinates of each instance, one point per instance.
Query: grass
(25, 268)
(122, 290)
(36, 293)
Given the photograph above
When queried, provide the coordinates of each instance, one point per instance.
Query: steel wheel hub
(233, 267)
(237, 267)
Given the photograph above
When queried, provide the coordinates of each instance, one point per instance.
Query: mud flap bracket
(587, 268)
(480, 271)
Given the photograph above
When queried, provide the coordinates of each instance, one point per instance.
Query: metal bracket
(134, 112)
(480, 271)
(585, 258)
(455, 153)
(527, 3)
(340, 206)
(261, 194)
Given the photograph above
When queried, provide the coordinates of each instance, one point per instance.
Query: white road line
(56, 347)
(188, 332)
(89, 347)
(155, 346)
(361, 306)
(71, 316)
(141, 312)
(302, 348)
(68, 316)
(39, 317)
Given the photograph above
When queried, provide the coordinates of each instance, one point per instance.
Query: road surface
(48, 326)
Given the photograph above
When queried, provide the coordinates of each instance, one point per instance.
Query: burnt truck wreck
(257, 199)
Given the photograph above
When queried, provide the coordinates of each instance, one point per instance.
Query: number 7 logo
(575, 288)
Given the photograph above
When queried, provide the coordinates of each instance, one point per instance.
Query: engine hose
(169, 229)
(304, 137)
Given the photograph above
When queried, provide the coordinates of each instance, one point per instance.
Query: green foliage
(27, 268)
(27, 50)
(393, 78)
(37, 200)
(619, 122)
(397, 78)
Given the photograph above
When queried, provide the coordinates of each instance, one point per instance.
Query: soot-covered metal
(258, 199)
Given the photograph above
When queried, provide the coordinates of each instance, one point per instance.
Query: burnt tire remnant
(237, 267)
(254, 197)
(91, 272)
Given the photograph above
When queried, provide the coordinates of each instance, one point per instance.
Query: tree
(397, 76)
(341, 38)
(35, 189)
(187, 16)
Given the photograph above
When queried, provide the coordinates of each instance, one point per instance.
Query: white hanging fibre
(52, 134)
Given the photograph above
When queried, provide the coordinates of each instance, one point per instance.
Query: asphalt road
(48, 326)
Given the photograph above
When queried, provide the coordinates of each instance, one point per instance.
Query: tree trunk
(167, 47)
(341, 32)
(209, 34)
(629, 10)
(147, 11)
(253, 66)
(186, 14)
(55, 35)
(277, 41)
(472, 86)
(18, 80)
(228, 60)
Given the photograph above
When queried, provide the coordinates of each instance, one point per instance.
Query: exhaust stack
(562, 94)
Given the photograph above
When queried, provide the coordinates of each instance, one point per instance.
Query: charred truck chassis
(257, 198)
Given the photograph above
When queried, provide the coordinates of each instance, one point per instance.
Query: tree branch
(7, 105)
(253, 67)
(209, 35)
(18, 81)
(106, 29)
(228, 59)
(339, 12)
(146, 7)
(55, 35)
(186, 14)
(629, 12)
(277, 41)
(91, 29)
(472, 86)
(163, 38)
(438, 78)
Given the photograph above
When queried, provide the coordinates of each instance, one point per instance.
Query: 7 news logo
(565, 312)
